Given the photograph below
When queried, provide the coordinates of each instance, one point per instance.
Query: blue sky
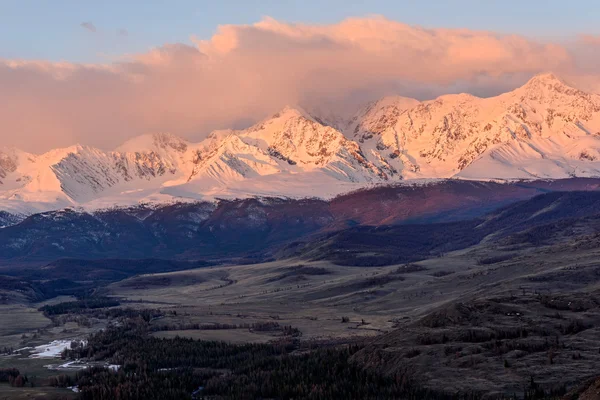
(51, 29)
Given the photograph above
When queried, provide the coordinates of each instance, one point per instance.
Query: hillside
(257, 228)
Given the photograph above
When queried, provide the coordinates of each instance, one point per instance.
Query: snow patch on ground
(52, 349)
(79, 365)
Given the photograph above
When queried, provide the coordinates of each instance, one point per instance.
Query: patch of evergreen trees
(79, 305)
(156, 368)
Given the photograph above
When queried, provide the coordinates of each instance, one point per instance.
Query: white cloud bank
(243, 73)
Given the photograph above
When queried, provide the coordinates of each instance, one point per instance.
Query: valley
(443, 249)
(278, 201)
(510, 309)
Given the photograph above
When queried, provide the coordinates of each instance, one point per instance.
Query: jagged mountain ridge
(545, 129)
(161, 167)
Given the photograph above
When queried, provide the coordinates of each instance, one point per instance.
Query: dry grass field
(487, 318)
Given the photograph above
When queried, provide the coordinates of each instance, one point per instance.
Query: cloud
(88, 26)
(122, 32)
(245, 72)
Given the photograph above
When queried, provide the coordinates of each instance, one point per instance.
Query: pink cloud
(244, 73)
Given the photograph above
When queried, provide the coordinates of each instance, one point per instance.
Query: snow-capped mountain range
(542, 130)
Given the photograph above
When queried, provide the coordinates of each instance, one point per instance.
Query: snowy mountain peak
(8, 150)
(446, 136)
(549, 87)
(399, 102)
(59, 153)
(336, 119)
(290, 112)
(544, 129)
(293, 136)
(8, 162)
(545, 78)
(220, 134)
(153, 142)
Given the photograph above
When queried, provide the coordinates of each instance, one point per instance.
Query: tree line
(182, 368)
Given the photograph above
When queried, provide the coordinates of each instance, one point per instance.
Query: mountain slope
(7, 219)
(263, 159)
(256, 227)
(543, 130)
(544, 219)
